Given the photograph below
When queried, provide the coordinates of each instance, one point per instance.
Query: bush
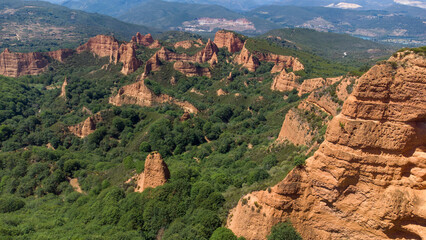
(223, 234)
(284, 231)
(11, 204)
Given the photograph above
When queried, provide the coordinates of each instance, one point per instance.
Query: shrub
(284, 231)
(11, 204)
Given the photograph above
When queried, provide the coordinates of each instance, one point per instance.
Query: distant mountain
(371, 24)
(45, 26)
(112, 8)
(193, 17)
(342, 48)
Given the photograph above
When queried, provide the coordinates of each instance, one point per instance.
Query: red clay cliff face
(368, 178)
(191, 70)
(86, 127)
(139, 94)
(295, 129)
(229, 40)
(107, 46)
(156, 173)
(285, 82)
(20, 64)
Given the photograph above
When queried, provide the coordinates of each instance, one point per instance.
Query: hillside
(36, 25)
(192, 17)
(74, 138)
(371, 24)
(336, 47)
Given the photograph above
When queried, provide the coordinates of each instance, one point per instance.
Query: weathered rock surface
(324, 102)
(221, 92)
(229, 40)
(295, 129)
(247, 60)
(191, 70)
(127, 56)
(102, 46)
(108, 46)
(285, 82)
(86, 127)
(155, 44)
(188, 44)
(139, 94)
(63, 89)
(20, 64)
(367, 180)
(156, 173)
(61, 54)
(309, 85)
(251, 61)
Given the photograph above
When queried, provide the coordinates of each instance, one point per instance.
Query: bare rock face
(102, 46)
(86, 127)
(153, 64)
(221, 92)
(281, 62)
(61, 54)
(20, 64)
(209, 51)
(63, 89)
(229, 40)
(127, 55)
(367, 180)
(188, 44)
(139, 94)
(295, 129)
(285, 82)
(155, 44)
(247, 60)
(324, 102)
(309, 85)
(190, 70)
(156, 173)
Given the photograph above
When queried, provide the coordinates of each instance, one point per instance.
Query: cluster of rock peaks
(368, 178)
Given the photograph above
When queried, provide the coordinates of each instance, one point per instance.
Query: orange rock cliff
(156, 173)
(368, 178)
(229, 40)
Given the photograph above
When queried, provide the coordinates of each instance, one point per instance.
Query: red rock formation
(229, 40)
(147, 40)
(156, 173)
(247, 60)
(127, 55)
(139, 94)
(285, 82)
(367, 180)
(190, 70)
(309, 85)
(63, 89)
(20, 64)
(86, 127)
(153, 64)
(324, 102)
(102, 46)
(295, 129)
(281, 62)
(185, 44)
(221, 92)
(207, 53)
(155, 44)
(61, 55)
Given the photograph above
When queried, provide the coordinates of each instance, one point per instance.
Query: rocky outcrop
(102, 46)
(191, 70)
(188, 44)
(108, 46)
(63, 89)
(155, 44)
(247, 60)
(285, 82)
(61, 54)
(221, 92)
(295, 129)
(367, 180)
(309, 85)
(156, 173)
(153, 64)
(20, 64)
(251, 61)
(139, 94)
(86, 127)
(127, 56)
(324, 102)
(229, 40)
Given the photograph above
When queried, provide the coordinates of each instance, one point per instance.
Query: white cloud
(344, 5)
(420, 4)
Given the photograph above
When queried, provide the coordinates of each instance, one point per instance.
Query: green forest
(225, 151)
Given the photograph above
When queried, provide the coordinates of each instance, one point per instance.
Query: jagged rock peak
(156, 173)
(367, 180)
(229, 40)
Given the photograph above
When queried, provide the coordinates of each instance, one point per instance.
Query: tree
(223, 234)
(284, 231)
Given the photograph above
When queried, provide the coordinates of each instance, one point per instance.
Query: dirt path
(74, 183)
